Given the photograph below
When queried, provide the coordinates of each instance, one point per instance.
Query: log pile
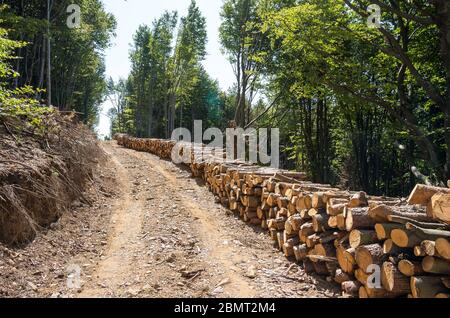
(374, 247)
(161, 148)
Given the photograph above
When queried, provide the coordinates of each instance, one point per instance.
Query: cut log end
(360, 237)
(346, 259)
(410, 268)
(436, 265)
(369, 255)
(443, 248)
(393, 280)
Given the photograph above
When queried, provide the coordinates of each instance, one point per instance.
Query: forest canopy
(63, 64)
(361, 105)
(367, 108)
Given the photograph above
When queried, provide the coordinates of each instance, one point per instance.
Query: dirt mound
(42, 172)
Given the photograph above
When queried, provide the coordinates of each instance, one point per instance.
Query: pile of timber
(344, 236)
(161, 148)
(240, 187)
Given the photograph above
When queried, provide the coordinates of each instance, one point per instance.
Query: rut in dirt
(167, 238)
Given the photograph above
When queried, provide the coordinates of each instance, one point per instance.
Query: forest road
(167, 238)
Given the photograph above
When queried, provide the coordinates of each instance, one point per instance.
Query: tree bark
(362, 237)
(426, 286)
(443, 248)
(49, 68)
(436, 265)
(422, 194)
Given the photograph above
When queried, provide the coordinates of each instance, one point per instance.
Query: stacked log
(345, 236)
(435, 199)
(240, 188)
(161, 148)
(410, 264)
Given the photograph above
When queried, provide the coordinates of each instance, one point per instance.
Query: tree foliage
(168, 86)
(370, 105)
(77, 63)
(17, 104)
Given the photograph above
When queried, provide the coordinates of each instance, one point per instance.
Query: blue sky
(132, 13)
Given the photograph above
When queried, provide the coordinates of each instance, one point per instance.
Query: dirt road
(152, 231)
(169, 239)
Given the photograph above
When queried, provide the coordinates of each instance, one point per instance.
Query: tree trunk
(384, 230)
(426, 286)
(358, 218)
(49, 76)
(439, 207)
(443, 248)
(435, 265)
(390, 248)
(346, 259)
(42, 60)
(393, 280)
(442, 19)
(362, 237)
(422, 194)
(171, 114)
(368, 255)
(410, 268)
(382, 212)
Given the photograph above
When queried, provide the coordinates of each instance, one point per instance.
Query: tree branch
(265, 111)
(421, 20)
(401, 55)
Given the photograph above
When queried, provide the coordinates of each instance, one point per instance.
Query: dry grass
(40, 175)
